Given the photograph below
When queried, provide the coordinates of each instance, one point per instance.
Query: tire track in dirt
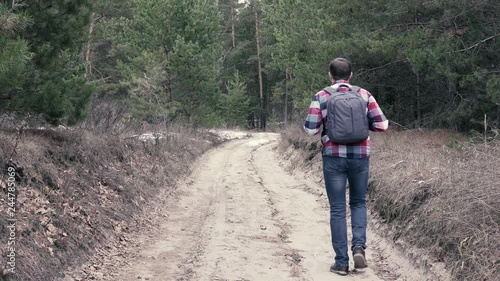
(180, 240)
(193, 256)
(219, 226)
(304, 210)
(292, 255)
(246, 241)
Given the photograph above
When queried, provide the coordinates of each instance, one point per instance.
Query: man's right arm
(314, 117)
(378, 121)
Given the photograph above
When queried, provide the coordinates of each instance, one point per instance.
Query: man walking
(345, 160)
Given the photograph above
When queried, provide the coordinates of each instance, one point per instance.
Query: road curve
(241, 216)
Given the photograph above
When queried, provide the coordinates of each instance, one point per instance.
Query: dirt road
(240, 216)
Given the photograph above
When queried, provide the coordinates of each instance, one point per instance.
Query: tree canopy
(213, 63)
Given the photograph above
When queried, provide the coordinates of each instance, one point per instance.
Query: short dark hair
(340, 68)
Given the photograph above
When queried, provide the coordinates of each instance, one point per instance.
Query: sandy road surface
(240, 216)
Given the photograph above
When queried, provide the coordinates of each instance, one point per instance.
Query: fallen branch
(479, 43)
(380, 67)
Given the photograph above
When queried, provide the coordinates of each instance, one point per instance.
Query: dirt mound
(442, 195)
(76, 189)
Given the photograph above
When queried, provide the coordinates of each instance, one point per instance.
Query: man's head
(340, 69)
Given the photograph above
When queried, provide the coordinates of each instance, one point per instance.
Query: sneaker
(340, 270)
(358, 254)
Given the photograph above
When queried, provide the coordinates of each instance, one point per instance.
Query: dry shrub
(436, 190)
(78, 189)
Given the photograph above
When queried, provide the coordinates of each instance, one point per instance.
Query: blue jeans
(336, 172)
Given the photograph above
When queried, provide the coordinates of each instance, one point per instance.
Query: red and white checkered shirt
(317, 116)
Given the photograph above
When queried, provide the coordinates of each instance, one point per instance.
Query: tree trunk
(452, 89)
(233, 19)
(259, 62)
(498, 115)
(88, 51)
(286, 98)
(167, 85)
(419, 107)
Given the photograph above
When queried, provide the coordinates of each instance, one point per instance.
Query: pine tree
(52, 84)
(14, 55)
(235, 103)
(195, 60)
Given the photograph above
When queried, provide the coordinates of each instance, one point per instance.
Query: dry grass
(79, 189)
(436, 191)
(442, 195)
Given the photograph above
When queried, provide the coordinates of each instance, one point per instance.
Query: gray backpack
(347, 121)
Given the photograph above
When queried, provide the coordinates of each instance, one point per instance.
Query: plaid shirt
(317, 116)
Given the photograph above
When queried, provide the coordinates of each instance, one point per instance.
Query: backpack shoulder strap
(329, 90)
(355, 88)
